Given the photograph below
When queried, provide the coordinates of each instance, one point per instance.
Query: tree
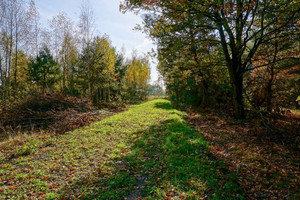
(90, 67)
(33, 30)
(242, 27)
(120, 71)
(97, 68)
(275, 74)
(13, 34)
(68, 59)
(64, 45)
(44, 70)
(22, 78)
(137, 78)
(61, 26)
(86, 23)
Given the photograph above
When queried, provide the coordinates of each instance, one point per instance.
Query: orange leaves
(109, 173)
(171, 194)
(5, 166)
(125, 150)
(54, 185)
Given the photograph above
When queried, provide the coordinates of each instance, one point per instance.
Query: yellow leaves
(138, 73)
(5, 166)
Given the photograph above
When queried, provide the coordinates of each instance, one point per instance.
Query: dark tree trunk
(237, 91)
(205, 93)
(92, 90)
(269, 97)
(44, 83)
(272, 77)
(64, 78)
(269, 90)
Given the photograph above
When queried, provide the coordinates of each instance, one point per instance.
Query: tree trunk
(16, 66)
(1, 77)
(269, 97)
(91, 90)
(205, 93)
(272, 77)
(64, 78)
(44, 83)
(237, 91)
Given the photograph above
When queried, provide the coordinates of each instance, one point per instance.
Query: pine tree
(44, 70)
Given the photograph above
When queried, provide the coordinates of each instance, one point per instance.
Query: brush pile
(55, 112)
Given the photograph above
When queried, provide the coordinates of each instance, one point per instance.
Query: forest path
(146, 152)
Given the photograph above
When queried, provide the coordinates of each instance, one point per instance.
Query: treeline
(65, 57)
(234, 54)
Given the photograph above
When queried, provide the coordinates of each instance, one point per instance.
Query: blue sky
(108, 20)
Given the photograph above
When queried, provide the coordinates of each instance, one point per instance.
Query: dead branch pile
(54, 111)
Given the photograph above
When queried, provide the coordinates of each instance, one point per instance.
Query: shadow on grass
(164, 105)
(165, 161)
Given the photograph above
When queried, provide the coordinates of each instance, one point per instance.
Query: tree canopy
(238, 28)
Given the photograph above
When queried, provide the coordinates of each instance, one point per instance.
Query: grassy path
(147, 151)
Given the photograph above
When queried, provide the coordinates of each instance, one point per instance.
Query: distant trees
(137, 78)
(66, 57)
(156, 90)
(199, 29)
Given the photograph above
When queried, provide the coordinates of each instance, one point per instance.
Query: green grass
(149, 146)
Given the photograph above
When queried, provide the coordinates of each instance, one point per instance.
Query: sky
(108, 20)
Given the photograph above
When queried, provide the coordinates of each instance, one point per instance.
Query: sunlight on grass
(149, 147)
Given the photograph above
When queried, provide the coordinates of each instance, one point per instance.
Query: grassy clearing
(147, 151)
